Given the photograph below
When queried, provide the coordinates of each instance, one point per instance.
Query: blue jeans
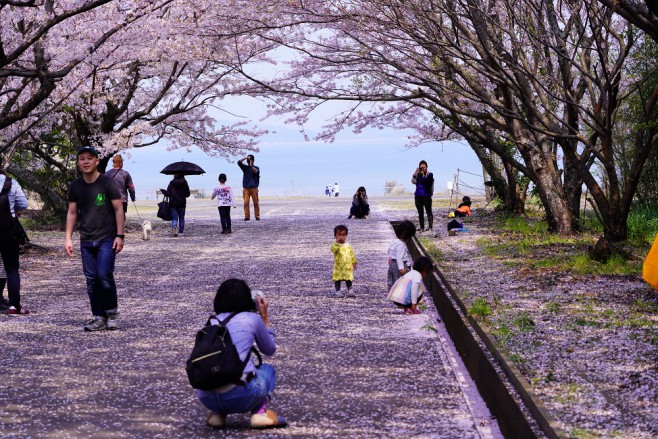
(241, 399)
(178, 218)
(98, 267)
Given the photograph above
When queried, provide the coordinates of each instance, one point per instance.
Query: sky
(291, 166)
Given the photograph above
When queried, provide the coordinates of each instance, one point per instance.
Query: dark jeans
(178, 218)
(225, 217)
(424, 203)
(9, 252)
(98, 266)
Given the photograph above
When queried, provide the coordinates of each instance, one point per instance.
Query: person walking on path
(344, 261)
(249, 323)
(424, 182)
(123, 180)
(336, 189)
(360, 207)
(95, 200)
(225, 201)
(14, 202)
(250, 182)
(178, 191)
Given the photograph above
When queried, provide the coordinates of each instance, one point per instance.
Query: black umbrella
(185, 168)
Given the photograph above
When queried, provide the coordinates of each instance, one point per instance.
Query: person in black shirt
(95, 200)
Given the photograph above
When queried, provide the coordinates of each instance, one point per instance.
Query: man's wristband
(123, 237)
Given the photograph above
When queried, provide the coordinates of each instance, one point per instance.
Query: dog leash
(138, 215)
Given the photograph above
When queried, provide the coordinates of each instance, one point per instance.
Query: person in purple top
(424, 182)
(250, 324)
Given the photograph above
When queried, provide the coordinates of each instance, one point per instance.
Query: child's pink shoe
(412, 311)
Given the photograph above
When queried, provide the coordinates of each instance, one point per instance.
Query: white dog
(146, 230)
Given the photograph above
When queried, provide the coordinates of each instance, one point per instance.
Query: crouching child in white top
(398, 255)
(407, 291)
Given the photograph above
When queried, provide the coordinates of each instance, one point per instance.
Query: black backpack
(8, 224)
(215, 361)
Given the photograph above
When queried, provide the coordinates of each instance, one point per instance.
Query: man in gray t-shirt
(123, 179)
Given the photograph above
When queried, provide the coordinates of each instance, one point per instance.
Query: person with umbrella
(178, 190)
(250, 182)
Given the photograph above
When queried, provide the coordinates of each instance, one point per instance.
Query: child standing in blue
(225, 200)
(407, 291)
(398, 255)
(344, 261)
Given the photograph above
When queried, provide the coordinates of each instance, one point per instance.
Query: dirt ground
(346, 367)
(587, 344)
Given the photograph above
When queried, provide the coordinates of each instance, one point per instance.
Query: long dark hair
(233, 295)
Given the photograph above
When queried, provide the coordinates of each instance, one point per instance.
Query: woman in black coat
(178, 190)
(360, 207)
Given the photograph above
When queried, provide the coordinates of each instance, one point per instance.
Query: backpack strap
(253, 349)
(6, 187)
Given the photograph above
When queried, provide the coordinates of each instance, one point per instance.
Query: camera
(255, 294)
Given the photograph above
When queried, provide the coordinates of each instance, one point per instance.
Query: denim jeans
(241, 399)
(98, 267)
(10, 259)
(178, 218)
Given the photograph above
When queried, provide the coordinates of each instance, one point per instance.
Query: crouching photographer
(245, 317)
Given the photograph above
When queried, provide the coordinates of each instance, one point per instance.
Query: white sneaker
(339, 294)
(350, 293)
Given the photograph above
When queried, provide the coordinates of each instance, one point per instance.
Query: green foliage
(643, 222)
(583, 264)
(480, 308)
(524, 323)
(431, 249)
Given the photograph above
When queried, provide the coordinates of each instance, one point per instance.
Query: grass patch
(553, 307)
(428, 327)
(431, 249)
(583, 264)
(523, 322)
(480, 308)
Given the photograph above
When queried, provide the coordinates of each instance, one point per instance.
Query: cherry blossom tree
(154, 81)
(546, 78)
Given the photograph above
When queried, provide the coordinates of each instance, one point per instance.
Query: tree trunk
(547, 179)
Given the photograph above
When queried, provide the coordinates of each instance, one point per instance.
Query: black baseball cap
(88, 149)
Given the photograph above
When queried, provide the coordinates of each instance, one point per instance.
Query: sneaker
(175, 231)
(229, 231)
(4, 304)
(412, 311)
(17, 311)
(112, 321)
(223, 232)
(269, 419)
(339, 294)
(215, 420)
(98, 324)
(350, 293)
(246, 219)
(257, 219)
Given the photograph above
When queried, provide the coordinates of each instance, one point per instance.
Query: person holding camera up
(252, 392)
(250, 182)
(424, 182)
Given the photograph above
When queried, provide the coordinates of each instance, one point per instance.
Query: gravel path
(346, 367)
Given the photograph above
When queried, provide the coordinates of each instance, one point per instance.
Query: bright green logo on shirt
(100, 199)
